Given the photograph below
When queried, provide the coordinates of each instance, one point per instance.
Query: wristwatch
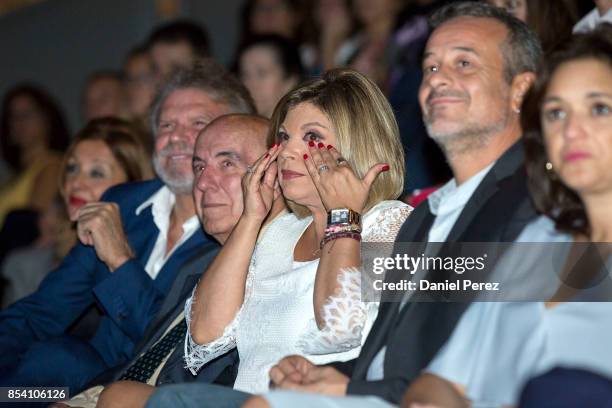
(341, 216)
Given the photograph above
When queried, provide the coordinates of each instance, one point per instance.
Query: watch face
(339, 216)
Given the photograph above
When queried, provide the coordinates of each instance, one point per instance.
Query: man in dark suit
(478, 64)
(131, 246)
(224, 150)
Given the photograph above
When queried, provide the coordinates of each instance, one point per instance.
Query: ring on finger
(249, 169)
(341, 161)
(323, 168)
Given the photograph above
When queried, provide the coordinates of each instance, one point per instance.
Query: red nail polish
(329, 147)
(267, 155)
(274, 145)
(305, 156)
(320, 145)
(385, 167)
(311, 143)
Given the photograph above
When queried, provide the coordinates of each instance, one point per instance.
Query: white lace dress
(277, 316)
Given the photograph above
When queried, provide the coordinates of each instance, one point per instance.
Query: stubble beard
(468, 138)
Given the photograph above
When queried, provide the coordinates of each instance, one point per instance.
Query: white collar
(456, 196)
(162, 197)
(591, 20)
(163, 202)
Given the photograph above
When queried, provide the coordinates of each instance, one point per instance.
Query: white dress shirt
(162, 203)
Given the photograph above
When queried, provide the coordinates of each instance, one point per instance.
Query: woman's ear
(520, 85)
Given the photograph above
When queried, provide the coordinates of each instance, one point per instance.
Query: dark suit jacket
(222, 369)
(497, 211)
(128, 297)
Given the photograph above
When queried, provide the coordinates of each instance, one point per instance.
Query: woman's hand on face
(335, 180)
(260, 185)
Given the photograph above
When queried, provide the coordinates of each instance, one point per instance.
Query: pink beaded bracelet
(328, 238)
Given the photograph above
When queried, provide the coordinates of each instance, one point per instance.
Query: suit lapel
(188, 276)
(142, 243)
(433, 333)
(415, 229)
(181, 289)
(505, 166)
(174, 303)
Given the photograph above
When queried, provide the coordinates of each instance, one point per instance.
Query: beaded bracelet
(332, 229)
(328, 238)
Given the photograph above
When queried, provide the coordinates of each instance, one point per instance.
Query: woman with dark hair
(33, 135)
(289, 19)
(106, 152)
(269, 66)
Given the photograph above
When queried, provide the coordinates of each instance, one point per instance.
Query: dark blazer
(173, 371)
(128, 297)
(497, 211)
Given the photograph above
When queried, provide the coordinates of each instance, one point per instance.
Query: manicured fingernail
(274, 145)
(320, 145)
(267, 155)
(305, 156)
(385, 167)
(311, 143)
(329, 147)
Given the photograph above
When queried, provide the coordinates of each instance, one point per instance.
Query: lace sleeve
(347, 320)
(196, 355)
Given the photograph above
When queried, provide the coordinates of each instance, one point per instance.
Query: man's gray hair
(521, 50)
(210, 77)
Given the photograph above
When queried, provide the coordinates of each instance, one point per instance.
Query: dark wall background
(58, 43)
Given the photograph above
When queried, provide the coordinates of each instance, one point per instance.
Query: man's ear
(520, 85)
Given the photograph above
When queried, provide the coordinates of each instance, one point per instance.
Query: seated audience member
(551, 20)
(360, 35)
(337, 156)
(104, 95)
(600, 14)
(289, 19)
(479, 62)
(140, 83)
(24, 268)
(230, 139)
(177, 44)
(269, 66)
(386, 43)
(132, 245)
(104, 153)
(33, 137)
(567, 118)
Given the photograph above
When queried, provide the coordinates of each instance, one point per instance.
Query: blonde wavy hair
(364, 125)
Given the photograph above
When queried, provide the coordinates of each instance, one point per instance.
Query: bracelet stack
(348, 227)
